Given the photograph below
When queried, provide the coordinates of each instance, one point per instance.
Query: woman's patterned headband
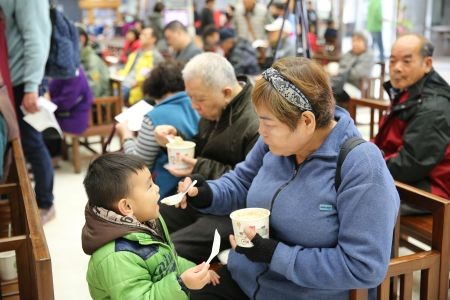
(286, 89)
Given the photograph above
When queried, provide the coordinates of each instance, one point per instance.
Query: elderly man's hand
(161, 133)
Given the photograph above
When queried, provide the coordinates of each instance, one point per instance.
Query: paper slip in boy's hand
(44, 118)
(134, 115)
(215, 247)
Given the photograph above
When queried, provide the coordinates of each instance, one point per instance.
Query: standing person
(312, 18)
(173, 107)
(325, 239)
(249, 20)
(226, 132)
(207, 15)
(28, 41)
(375, 25)
(415, 135)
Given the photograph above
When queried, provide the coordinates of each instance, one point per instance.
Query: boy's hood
(98, 231)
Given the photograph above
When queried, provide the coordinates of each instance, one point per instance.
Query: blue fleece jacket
(330, 241)
(28, 31)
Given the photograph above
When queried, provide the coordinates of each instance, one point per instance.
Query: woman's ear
(124, 207)
(309, 121)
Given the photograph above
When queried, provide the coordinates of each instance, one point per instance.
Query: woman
(173, 107)
(324, 240)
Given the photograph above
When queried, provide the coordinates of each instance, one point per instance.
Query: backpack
(64, 55)
(346, 147)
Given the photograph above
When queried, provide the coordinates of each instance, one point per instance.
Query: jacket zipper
(271, 206)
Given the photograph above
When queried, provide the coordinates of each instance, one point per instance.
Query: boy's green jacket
(129, 262)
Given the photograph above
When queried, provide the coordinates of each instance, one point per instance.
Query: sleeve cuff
(31, 87)
(183, 286)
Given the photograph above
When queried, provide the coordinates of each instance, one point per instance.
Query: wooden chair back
(101, 123)
(381, 106)
(28, 240)
(432, 264)
(372, 86)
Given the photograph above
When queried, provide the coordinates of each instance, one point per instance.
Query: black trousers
(228, 289)
(192, 232)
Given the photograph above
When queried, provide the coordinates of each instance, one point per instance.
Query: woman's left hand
(262, 250)
(190, 162)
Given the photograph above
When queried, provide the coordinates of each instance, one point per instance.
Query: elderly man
(228, 129)
(180, 41)
(353, 66)
(415, 135)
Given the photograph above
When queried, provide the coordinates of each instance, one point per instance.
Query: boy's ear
(124, 207)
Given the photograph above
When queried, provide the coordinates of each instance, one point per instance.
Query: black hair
(159, 7)
(208, 30)
(82, 32)
(135, 32)
(164, 78)
(107, 178)
(175, 26)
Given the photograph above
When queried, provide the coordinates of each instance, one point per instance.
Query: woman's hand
(262, 250)
(197, 277)
(215, 278)
(182, 186)
(122, 130)
(161, 133)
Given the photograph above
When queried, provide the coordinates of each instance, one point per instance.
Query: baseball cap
(276, 25)
(226, 33)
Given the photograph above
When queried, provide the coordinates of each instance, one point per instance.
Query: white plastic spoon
(175, 199)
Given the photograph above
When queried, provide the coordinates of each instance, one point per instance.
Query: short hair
(209, 30)
(108, 178)
(213, 70)
(164, 78)
(312, 81)
(154, 30)
(361, 35)
(159, 7)
(426, 47)
(175, 26)
(82, 32)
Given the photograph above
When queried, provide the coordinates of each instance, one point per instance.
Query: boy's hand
(215, 278)
(196, 277)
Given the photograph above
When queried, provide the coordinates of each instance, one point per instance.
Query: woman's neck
(319, 136)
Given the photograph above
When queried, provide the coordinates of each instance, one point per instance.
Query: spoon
(175, 199)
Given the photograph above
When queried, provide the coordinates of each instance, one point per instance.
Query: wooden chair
(432, 264)
(28, 240)
(380, 105)
(372, 86)
(101, 123)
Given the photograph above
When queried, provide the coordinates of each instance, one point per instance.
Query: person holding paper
(28, 39)
(132, 256)
(326, 237)
(173, 107)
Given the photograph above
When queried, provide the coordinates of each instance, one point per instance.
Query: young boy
(132, 255)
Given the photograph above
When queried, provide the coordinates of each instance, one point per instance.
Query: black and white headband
(286, 89)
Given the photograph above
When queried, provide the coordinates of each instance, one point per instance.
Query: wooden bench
(432, 264)
(28, 240)
(101, 123)
(374, 104)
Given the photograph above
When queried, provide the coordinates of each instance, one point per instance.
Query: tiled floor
(64, 232)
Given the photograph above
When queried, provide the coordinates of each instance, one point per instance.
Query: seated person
(415, 135)
(131, 253)
(353, 66)
(239, 52)
(96, 70)
(139, 64)
(227, 130)
(131, 44)
(74, 98)
(211, 39)
(181, 43)
(173, 107)
(330, 37)
(325, 238)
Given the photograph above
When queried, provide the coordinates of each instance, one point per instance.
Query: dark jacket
(221, 145)
(415, 135)
(243, 58)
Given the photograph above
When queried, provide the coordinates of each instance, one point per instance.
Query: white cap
(276, 25)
